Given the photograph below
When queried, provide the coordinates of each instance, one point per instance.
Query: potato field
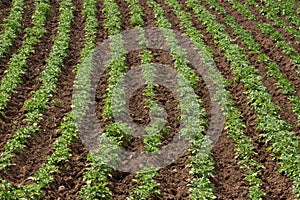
(62, 63)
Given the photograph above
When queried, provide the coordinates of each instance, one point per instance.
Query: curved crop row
(273, 33)
(234, 125)
(285, 143)
(17, 65)
(147, 185)
(37, 105)
(201, 162)
(274, 9)
(12, 26)
(96, 177)
(283, 83)
(69, 131)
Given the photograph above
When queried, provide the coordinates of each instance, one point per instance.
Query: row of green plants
(200, 161)
(116, 131)
(280, 42)
(244, 149)
(274, 9)
(42, 178)
(37, 104)
(98, 171)
(12, 26)
(270, 30)
(147, 186)
(284, 143)
(283, 83)
(17, 65)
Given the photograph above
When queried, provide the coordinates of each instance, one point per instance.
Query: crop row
(200, 162)
(274, 9)
(12, 26)
(98, 172)
(147, 185)
(17, 65)
(283, 83)
(43, 177)
(269, 29)
(37, 105)
(285, 143)
(234, 125)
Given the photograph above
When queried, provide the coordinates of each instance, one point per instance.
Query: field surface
(250, 48)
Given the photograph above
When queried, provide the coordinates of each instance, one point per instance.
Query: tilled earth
(174, 179)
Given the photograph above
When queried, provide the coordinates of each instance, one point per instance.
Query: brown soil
(269, 82)
(39, 146)
(174, 179)
(293, 40)
(277, 181)
(4, 10)
(269, 47)
(28, 11)
(13, 117)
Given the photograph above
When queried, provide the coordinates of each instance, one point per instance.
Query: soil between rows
(5, 7)
(289, 37)
(17, 43)
(269, 46)
(269, 82)
(273, 182)
(228, 177)
(14, 112)
(39, 145)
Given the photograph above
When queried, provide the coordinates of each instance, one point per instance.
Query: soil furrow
(14, 115)
(275, 185)
(39, 145)
(228, 177)
(282, 17)
(69, 179)
(269, 82)
(5, 7)
(293, 40)
(174, 179)
(29, 8)
(268, 46)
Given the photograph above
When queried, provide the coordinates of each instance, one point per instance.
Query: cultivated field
(250, 48)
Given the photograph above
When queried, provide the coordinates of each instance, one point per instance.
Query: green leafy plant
(12, 26)
(285, 143)
(37, 105)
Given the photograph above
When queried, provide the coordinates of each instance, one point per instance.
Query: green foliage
(201, 162)
(37, 105)
(285, 143)
(147, 186)
(12, 26)
(272, 11)
(17, 65)
(283, 83)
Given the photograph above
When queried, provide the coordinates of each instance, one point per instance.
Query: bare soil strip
(275, 185)
(5, 7)
(40, 145)
(28, 11)
(269, 82)
(14, 112)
